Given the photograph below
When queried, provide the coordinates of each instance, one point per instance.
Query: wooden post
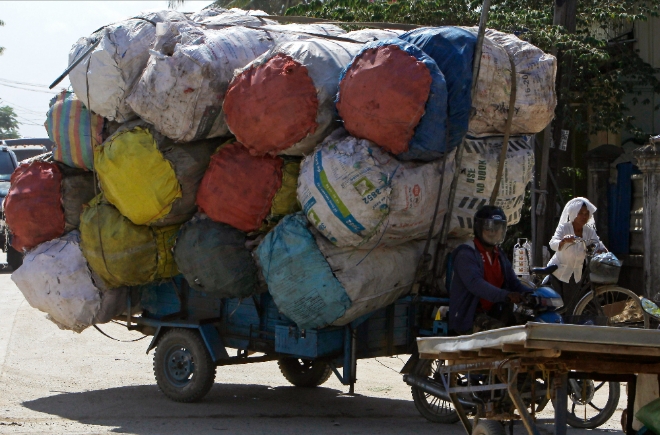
(648, 161)
(564, 15)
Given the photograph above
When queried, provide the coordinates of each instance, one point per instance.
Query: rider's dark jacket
(468, 285)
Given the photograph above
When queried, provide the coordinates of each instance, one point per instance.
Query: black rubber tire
(14, 258)
(488, 427)
(183, 366)
(603, 416)
(431, 407)
(304, 372)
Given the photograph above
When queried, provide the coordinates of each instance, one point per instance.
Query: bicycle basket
(604, 269)
(585, 319)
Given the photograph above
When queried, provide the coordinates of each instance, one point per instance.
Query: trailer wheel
(488, 427)
(183, 366)
(431, 407)
(14, 258)
(304, 372)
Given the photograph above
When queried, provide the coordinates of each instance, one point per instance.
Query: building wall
(647, 34)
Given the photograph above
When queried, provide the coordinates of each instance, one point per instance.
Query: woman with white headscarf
(577, 220)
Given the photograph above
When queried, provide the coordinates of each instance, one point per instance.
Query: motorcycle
(586, 397)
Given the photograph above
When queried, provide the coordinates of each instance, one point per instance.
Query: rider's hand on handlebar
(568, 239)
(514, 297)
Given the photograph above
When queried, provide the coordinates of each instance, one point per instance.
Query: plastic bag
(650, 415)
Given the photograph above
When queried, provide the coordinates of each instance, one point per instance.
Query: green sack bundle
(123, 253)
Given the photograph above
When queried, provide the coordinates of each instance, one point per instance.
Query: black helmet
(492, 220)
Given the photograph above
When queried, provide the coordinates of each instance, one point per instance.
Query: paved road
(54, 381)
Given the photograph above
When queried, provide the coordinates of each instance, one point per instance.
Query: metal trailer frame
(564, 351)
(254, 325)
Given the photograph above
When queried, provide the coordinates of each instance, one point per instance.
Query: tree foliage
(8, 123)
(597, 63)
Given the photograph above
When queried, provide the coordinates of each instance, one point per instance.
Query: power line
(23, 83)
(25, 109)
(27, 89)
(28, 121)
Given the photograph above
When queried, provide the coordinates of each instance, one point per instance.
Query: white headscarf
(572, 208)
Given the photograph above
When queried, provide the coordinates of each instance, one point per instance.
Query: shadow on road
(126, 406)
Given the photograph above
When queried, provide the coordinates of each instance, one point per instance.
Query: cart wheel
(183, 366)
(431, 407)
(591, 404)
(488, 427)
(14, 258)
(304, 372)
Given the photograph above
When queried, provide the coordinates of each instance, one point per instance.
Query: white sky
(37, 37)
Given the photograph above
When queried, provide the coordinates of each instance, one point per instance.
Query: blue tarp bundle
(298, 275)
(452, 48)
(429, 140)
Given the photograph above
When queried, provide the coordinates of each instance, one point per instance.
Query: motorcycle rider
(484, 285)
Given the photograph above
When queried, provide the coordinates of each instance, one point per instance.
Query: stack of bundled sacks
(245, 156)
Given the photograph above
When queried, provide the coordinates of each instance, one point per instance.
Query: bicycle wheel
(620, 306)
(591, 403)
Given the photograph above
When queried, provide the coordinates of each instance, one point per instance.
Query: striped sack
(70, 125)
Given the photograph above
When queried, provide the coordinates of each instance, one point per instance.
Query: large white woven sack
(238, 17)
(307, 30)
(477, 178)
(116, 63)
(183, 87)
(535, 86)
(55, 279)
(358, 195)
(366, 35)
(372, 279)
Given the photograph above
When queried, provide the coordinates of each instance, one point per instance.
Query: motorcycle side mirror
(651, 308)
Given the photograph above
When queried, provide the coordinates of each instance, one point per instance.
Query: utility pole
(565, 16)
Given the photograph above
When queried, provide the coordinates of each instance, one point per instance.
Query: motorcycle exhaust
(432, 388)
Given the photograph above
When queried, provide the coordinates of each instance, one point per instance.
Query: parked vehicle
(24, 152)
(8, 162)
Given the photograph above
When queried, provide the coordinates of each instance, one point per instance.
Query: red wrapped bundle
(272, 106)
(238, 189)
(33, 207)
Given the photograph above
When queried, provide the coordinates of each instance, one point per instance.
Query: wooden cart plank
(612, 349)
(576, 338)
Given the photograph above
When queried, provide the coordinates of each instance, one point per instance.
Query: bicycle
(606, 304)
(603, 300)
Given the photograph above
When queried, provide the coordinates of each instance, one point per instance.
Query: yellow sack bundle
(285, 201)
(149, 178)
(123, 253)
